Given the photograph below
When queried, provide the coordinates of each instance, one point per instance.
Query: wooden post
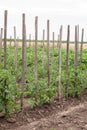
(67, 58)
(78, 36)
(23, 60)
(25, 52)
(60, 65)
(1, 35)
(53, 49)
(5, 54)
(76, 47)
(48, 52)
(81, 46)
(78, 42)
(43, 48)
(15, 50)
(36, 55)
(5, 38)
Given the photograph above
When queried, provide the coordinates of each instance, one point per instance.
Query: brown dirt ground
(70, 114)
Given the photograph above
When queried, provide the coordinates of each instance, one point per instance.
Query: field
(43, 85)
(72, 46)
(41, 105)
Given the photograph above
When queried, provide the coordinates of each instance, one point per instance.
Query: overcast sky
(59, 12)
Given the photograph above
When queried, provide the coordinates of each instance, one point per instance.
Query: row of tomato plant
(11, 91)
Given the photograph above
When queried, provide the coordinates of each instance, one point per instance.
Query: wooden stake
(48, 53)
(15, 50)
(43, 48)
(67, 58)
(76, 47)
(53, 49)
(25, 52)
(60, 64)
(5, 38)
(5, 55)
(23, 60)
(78, 36)
(81, 47)
(36, 55)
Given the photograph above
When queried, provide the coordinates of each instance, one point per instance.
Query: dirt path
(70, 114)
(74, 118)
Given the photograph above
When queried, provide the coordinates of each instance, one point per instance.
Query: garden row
(35, 74)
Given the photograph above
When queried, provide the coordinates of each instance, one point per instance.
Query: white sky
(59, 12)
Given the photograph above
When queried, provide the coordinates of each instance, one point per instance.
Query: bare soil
(70, 114)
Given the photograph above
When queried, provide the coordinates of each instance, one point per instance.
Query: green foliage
(77, 82)
(40, 93)
(8, 91)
